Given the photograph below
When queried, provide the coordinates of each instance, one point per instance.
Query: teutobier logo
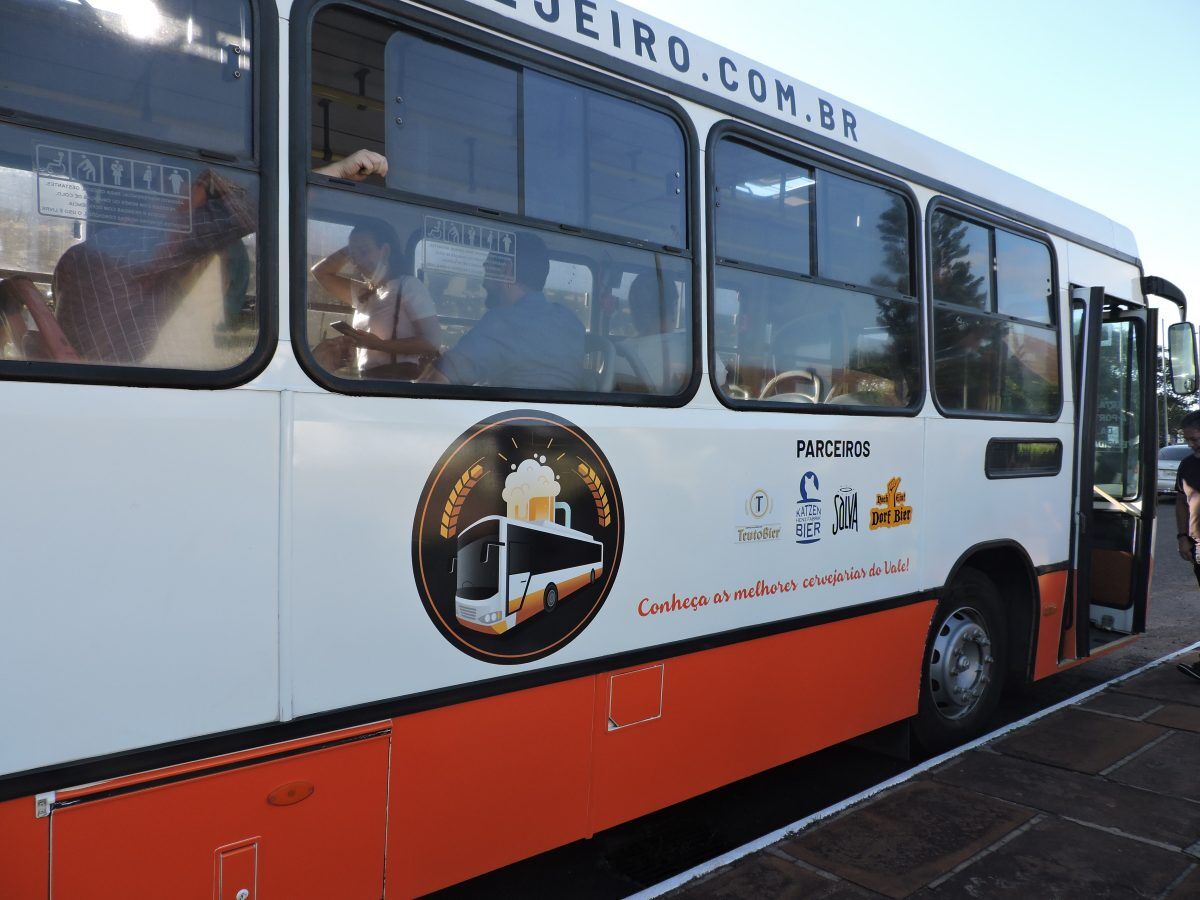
(517, 537)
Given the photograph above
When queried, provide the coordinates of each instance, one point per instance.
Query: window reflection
(537, 311)
(158, 272)
(992, 365)
(793, 341)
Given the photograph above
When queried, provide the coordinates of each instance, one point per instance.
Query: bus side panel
(1052, 589)
(737, 710)
(25, 859)
(238, 829)
(482, 784)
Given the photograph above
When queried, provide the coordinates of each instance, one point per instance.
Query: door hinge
(42, 804)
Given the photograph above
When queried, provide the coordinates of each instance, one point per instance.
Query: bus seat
(20, 293)
(602, 363)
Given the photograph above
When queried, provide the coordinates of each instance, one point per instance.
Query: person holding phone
(395, 325)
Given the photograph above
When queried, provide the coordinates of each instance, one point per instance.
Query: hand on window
(358, 166)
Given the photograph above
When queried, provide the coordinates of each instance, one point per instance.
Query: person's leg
(1192, 670)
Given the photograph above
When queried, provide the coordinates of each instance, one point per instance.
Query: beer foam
(531, 479)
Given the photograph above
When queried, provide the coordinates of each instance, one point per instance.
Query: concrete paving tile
(1171, 767)
(1083, 797)
(1118, 704)
(1057, 859)
(1188, 889)
(908, 837)
(1163, 682)
(1182, 718)
(1077, 740)
(756, 876)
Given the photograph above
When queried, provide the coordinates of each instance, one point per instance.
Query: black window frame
(498, 47)
(943, 203)
(264, 136)
(801, 154)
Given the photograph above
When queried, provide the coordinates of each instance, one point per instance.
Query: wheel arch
(1008, 565)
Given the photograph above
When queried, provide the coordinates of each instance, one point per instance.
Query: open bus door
(1115, 459)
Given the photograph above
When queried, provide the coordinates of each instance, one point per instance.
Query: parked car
(1169, 458)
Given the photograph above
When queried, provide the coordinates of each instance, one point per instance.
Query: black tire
(962, 673)
(550, 598)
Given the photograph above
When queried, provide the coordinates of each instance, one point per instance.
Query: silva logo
(845, 511)
(889, 510)
(808, 511)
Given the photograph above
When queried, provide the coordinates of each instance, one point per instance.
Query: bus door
(519, 569)
(1114, 465)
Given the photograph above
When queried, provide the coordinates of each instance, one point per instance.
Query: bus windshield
(478, 564)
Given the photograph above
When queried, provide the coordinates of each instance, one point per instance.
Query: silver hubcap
(960, 663)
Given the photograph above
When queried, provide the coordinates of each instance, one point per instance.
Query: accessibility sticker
(117, 190)
(466, 248)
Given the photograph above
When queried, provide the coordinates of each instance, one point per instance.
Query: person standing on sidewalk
(1187, 510)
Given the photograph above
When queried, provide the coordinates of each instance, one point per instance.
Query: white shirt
(376, 312)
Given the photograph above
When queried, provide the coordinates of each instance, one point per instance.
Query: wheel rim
(960, 663)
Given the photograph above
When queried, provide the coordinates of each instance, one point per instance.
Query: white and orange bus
(317, 316)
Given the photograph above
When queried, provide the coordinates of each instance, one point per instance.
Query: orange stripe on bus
(1052, 606)
(24, 859)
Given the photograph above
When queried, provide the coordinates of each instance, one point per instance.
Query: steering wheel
(771, 388)
(640, 372)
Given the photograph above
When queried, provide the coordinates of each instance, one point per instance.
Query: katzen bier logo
(889, 510)
(517, 537)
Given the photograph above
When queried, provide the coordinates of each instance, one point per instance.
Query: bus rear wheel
(962, 674)
(550, 598)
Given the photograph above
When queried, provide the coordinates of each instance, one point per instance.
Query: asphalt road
(623, 860)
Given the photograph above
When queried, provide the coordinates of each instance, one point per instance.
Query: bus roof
(614, 36)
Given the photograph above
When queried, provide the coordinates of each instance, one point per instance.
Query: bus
(316, 315)
(509, 571)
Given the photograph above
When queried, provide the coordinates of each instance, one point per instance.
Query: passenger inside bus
(523, 340)
(395, 329)
(116, 291)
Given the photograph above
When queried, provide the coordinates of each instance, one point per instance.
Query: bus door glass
(519, 568)
(1120, 515)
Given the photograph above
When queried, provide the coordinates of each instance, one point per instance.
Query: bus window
(1119, 410)
(996, 348)
(847, 336)
(763, 206)
(445, 290)
(113, 254)
(174, 71)
(495, 296)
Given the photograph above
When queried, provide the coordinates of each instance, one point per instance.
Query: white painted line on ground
(766, 840)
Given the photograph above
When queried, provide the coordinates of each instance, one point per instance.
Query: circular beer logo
(517, 537)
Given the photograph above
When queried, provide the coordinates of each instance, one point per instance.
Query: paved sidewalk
(1099, 799)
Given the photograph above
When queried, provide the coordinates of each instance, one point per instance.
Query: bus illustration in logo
(517, 537)
(512, 567)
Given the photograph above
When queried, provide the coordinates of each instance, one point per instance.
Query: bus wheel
(592, 577)
(550, 598)
(962, 674)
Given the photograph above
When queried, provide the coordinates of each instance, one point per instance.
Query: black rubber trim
(1064, 566)
(62, 776)
(216, 770)
(500, 22)
(266, 143)
(471, 39)
(1019, 229)
(773, 144)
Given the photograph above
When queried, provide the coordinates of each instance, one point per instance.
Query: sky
(1098, 101)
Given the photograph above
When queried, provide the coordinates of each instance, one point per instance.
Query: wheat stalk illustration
(458, 496)
(599, 496)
